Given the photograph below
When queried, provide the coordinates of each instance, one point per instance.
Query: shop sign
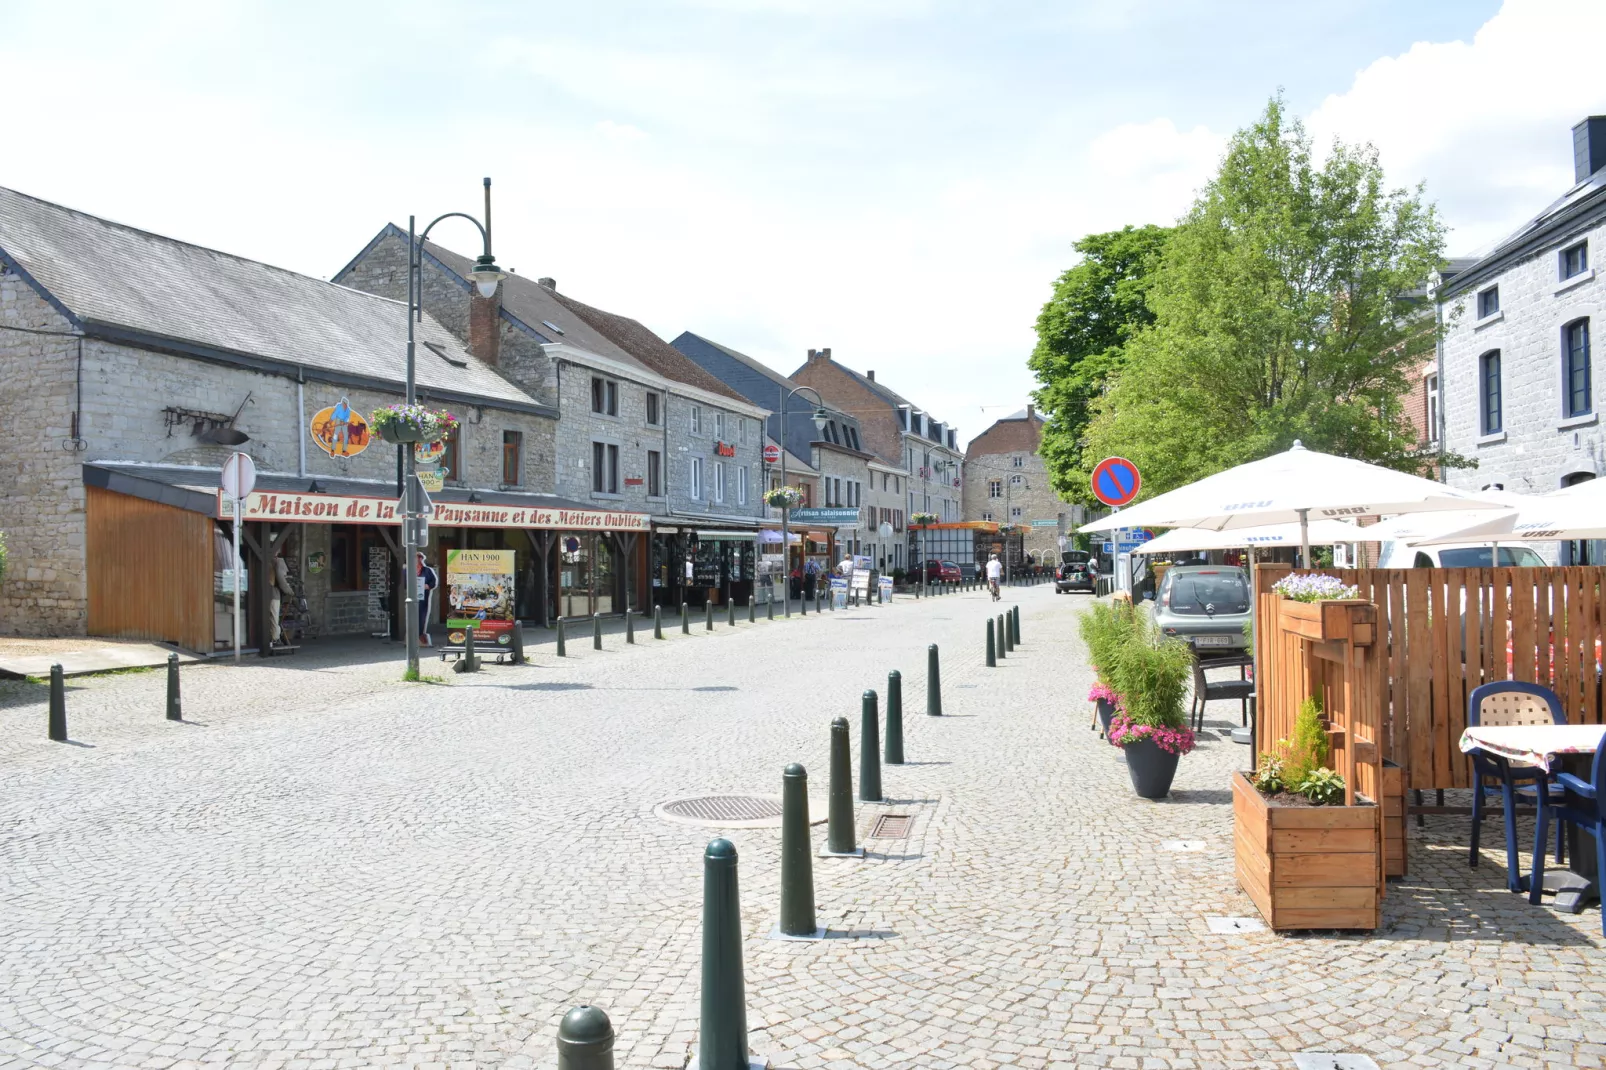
(293, 507)
(885, 583)
(772, 454)
(724, 449)
(841, 518)
(480, 595)
(634, 481)
(340, 430)
(431, 479)
(429, 452)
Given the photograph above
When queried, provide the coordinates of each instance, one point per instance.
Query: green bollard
(722, 1029)
(630, 626)
(797, 862)
(685, 620)
(771, 604)
(173, 711)
(57, 726)
(657, 622)
(585, 1040)
(752, 608)
(708, 615)
(1003, 639)
(470, 662)
(892, 750)
(563, 651)
(869, 750)
(933, 683)
(992, 655)
(596, 631)
(1014, 625)
(1009, 632)
(518, 657)
(803, 602)
(839, 832)
(730, 612)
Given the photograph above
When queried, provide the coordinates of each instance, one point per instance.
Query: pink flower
(1170, 740)
(1101, 692)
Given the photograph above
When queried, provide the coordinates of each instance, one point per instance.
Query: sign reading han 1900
(337, 509)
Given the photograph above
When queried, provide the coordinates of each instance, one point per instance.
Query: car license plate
(1212, 640)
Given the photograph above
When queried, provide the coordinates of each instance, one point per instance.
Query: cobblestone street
(325, 868)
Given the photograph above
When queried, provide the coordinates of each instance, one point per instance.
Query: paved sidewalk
(340, 870)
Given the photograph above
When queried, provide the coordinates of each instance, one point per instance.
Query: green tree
(1288, 305)
(1080, 334)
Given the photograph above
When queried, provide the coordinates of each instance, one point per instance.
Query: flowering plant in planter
(1314, 588)
(1102, 692)
(922, 519)
(784, 497)
(1124, 731)
(412, 423)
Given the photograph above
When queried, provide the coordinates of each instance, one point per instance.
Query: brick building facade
(1006, 481)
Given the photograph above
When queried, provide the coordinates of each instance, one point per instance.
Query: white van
(1457, 555)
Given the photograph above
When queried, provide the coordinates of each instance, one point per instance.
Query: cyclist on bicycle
(994, 572)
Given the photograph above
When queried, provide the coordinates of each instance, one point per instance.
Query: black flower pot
(400, 433)
(1150, 768)
(1106, 714)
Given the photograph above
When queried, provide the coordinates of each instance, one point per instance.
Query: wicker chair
(1206, 690)
(1511, 702)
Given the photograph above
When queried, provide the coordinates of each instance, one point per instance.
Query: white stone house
(1515, 387)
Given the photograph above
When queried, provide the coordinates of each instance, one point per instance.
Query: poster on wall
(480, 595)
(340, 430)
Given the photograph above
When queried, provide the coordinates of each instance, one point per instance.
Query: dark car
(1077, 572)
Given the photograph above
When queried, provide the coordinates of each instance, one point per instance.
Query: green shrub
(1151, 674)
(1268, 777)
(1306, 751)
(1324, 787)
(1105, 628)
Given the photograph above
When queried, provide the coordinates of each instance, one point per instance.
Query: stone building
(1515, 365)
(836, 451)
(1007, 482)
(642, 427)
(141, 362)
(908, 439)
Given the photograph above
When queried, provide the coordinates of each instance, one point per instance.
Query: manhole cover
(891, 827)
(715, 809)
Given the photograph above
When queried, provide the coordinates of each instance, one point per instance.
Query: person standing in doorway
(427, 582)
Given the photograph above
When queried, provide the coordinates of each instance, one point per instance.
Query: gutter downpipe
(301, 420)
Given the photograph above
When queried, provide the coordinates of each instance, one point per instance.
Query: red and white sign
(772, 454)
(336, 509)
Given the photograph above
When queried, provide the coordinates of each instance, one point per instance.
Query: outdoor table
(1547, 746)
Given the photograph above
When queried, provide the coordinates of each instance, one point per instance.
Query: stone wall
(1539, 446)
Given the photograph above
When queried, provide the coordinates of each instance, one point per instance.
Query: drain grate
(718, 808)
(892, 827)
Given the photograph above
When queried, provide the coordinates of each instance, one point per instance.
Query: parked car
(1076, 572)
(1458, 555)
(940, 572)
(1206, 606)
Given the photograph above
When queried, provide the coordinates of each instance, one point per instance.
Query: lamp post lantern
(486, 276)
(820, 420)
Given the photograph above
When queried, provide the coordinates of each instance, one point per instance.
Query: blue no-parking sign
(1116, 481)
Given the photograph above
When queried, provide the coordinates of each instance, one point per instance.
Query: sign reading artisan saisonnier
(338, 509)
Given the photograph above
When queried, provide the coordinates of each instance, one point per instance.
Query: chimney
(1589, 147)
(1031, 412)
(548, 281)
(870, 375)
(485, 326)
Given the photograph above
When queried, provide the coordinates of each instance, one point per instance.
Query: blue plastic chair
(1510, 702)
(1592, 820)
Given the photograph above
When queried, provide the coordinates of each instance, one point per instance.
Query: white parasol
(1295, 486)
(1319, 532)
(1577, 512)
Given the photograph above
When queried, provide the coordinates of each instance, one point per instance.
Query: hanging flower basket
(921, 520)
(784, 497)
(412, 423)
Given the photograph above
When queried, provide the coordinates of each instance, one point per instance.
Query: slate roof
(606, 334)
(1577, 210)
(130, 285)
(760, 384)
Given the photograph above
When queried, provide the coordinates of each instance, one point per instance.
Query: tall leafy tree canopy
(1096, 307)
(1288, 304)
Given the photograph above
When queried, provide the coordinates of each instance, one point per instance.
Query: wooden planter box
(1333, 619)
(1317, 867)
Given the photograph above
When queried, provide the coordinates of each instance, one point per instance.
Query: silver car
(1205, 606)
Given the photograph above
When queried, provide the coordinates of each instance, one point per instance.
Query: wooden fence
(1444, 631)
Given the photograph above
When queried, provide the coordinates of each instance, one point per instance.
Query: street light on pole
(486, 276)
(820, 420)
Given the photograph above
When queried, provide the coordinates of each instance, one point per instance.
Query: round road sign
(772, 454)
(1116, 481)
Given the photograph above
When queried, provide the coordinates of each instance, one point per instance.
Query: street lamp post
(486, 276)
(820, 420)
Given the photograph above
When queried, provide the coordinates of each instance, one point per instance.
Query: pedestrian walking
(427, 582)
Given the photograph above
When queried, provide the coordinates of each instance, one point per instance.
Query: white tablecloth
(1535, 745)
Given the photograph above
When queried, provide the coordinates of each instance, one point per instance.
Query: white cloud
(1485, 123)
